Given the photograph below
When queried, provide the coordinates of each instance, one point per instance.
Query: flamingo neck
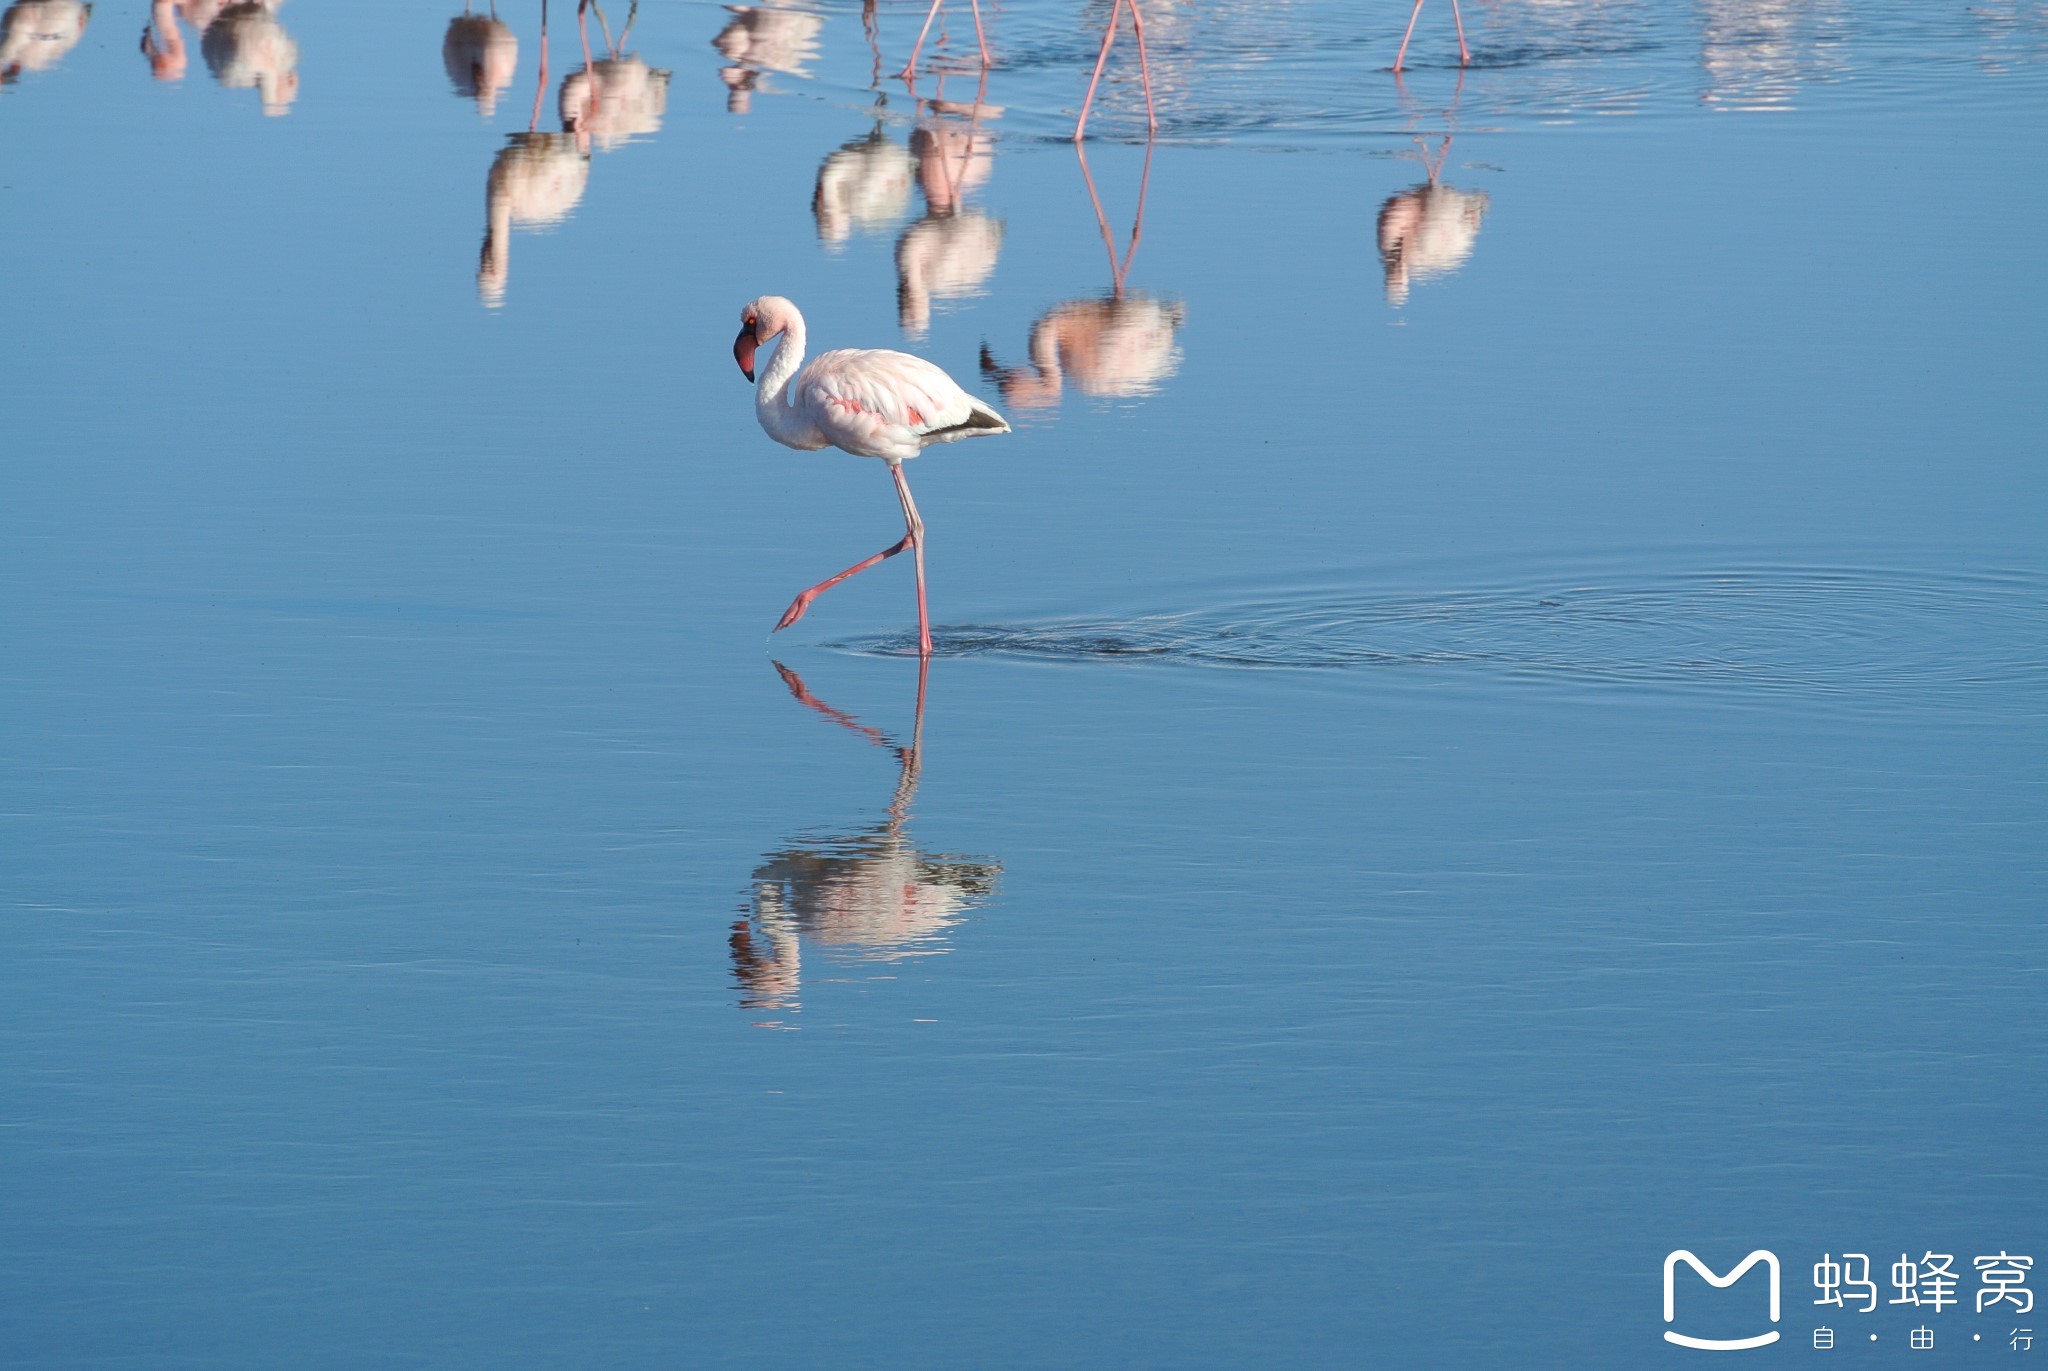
(771, 397)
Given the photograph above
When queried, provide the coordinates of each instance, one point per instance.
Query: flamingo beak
(743, 348)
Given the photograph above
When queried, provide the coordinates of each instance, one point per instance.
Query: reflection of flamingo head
(1427, 231)
(481, 56)
(247, 48)
(1114, 347)
(35, 34)
(614, 100)
(864, 185)
(536, 180)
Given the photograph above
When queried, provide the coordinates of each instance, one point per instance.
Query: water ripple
(1773, 629)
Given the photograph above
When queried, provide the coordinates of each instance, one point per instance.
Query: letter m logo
(1719, 1283)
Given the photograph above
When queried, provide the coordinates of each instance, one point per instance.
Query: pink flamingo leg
(802, 603)
(1464, 53)
(1413, 15)
(1145, 66)
(910, 67)
(916, 540)
(913, 538)
(1101, 60)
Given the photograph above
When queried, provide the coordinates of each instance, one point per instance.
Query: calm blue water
(1488, 722)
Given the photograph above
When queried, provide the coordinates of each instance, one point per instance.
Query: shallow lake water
(1487, 723)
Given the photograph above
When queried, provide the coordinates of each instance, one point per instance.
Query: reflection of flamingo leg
(1119, 270)
(540, 91)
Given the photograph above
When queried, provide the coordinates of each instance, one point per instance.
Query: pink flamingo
(1464, 54)
(870, 403)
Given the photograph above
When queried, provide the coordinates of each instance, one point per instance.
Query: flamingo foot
(797, 609)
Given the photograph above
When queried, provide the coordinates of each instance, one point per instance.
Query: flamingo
(871, 403)
(1464, 53)
(870, 895)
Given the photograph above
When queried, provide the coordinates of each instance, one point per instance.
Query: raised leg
(802, 603)
(1401, 56)
(915, 537)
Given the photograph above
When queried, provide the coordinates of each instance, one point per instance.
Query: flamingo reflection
(535, 181)
(1118, 345)
(864, 187)
(35, 35)
(866, 896)
(761, 38)
(246, 48)
(245, 45)
(952, 251)
(1428, 230)
(481, 56)
(617, 97)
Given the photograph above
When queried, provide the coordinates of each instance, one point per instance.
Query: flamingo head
(762, 321)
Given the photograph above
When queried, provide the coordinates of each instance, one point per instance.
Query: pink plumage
(869, 402)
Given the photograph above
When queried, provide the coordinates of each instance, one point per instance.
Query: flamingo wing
(889, 404)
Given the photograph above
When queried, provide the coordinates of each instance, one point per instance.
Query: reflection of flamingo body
(864, 185)
(943, 257)
(1427, 231)
(870, 895)
(481, 55)
(949, 253)
(537, 179)
(1464, 53)
(35, 34)
(613, 100)
(871, 403)
(1114, 346)
(246, 48)
(764, 39)
(1118, 347)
